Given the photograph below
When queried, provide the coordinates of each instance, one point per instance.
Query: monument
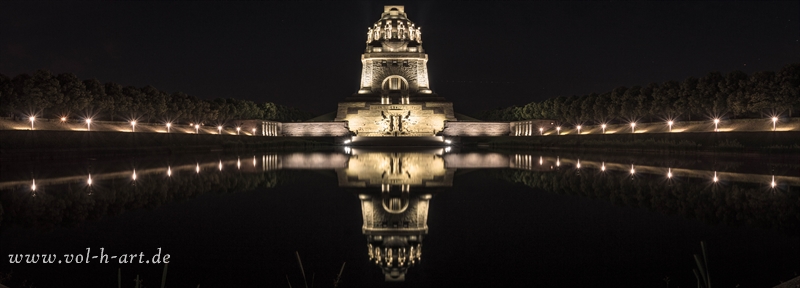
(395, 98)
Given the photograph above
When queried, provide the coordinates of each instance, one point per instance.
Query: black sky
(482, 54)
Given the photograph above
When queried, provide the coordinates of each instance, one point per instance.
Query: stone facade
(315, 129)
(377, 120)
(395, 98)
(476, 129)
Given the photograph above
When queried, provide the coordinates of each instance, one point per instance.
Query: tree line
(65, 95)
(733, 95)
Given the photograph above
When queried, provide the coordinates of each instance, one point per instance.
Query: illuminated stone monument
(395, 98)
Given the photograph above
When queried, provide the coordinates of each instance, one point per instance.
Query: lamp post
(670, 125)
(63, 119)
(196, 128)
(716, 124)
(238, 129)
(32, 118)
(133, 126)
(774, 120)
(254, 131)
(633, 127)
(541, 131)
(168, 125)
(558, 130)
(579, 129)
(89, 124)
(604, 128)
(219, 128)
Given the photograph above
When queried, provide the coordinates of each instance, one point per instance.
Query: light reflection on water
(395, 188)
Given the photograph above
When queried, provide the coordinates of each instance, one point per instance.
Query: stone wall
(316, 129)
(476, 129)
(376, 120)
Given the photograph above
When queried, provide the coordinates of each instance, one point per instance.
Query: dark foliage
(54, 96)
(736, 95)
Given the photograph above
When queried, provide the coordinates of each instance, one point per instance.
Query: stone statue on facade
(388, 28)
(369, 35)
(401, 31)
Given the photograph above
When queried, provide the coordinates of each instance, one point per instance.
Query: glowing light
(220, 165)
(220, 129)
(33, 186)
(579, 164)
(197, 168)
(579, 131)
(447, 149)
(134, 175)
(447, 141)
(603, 166)
(347, 141)
(558, 130)
(254, 131)
(773, 184)
(32, 118)
(169, 171)
(540, 161)
(633, 171)
(347, 150)
(63, 119)
(238, 129)
(558, 162)
(254, 160)
(669, 173)
(89, 182)
(168, 125)
(541, 131)
(196, 128)
(774, 121)
(238, 163)
(633, 127)
(670, 125)
(604, 128)
(716, 124)
(89, 126)
(133, 126)
(715, 177)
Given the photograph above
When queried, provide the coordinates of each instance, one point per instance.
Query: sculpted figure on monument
(388, 34)
(419, 35)
(377, 31)
(369, 35)
(401, 31)
(412, 33)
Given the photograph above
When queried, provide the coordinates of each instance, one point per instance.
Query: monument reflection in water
(395, 188)
(395, 191)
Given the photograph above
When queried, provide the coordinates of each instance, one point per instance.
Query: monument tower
(395, 98)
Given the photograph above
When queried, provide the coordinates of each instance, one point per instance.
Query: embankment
(729, 142)
(39, 144)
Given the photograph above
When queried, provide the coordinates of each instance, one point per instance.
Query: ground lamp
(774, 120)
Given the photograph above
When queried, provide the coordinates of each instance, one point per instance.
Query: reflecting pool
(415, 217)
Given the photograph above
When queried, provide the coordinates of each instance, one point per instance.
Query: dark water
(428, 217)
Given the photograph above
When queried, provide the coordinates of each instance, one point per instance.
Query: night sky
(482, 54)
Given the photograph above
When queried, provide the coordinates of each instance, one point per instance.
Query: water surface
(424, 217)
